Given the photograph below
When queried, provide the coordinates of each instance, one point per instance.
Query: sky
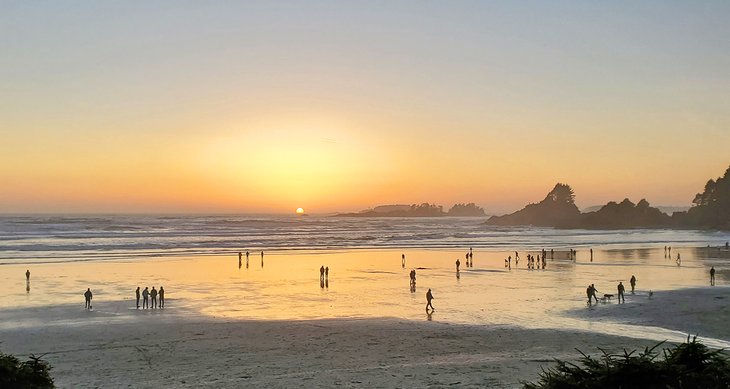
(263, 107)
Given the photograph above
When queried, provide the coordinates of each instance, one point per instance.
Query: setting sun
(300, 211)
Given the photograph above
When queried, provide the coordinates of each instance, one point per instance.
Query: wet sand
(696, 311)
(275, 326)
(161, 349)
(174, 351)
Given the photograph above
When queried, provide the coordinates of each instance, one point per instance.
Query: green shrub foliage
(31, 374)
(689, 365)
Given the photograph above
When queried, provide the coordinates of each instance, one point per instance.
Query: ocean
(63, 238)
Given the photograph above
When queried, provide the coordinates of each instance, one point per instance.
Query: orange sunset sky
(339, 106)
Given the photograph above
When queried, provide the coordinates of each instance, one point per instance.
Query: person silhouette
(321, 272)
(591, 255)
(27, 275)
(589, 293)
(136, 292)
(458, 263)
(153, 294)
(247, 259)
(403, 260)
(87, 297)
(679, 260)
(593, 292)
(162, 297)
(621, 296)
(429, 297)
(712, 276)
(327, 273)
(145, 298)
(632, 281)
(240, 256)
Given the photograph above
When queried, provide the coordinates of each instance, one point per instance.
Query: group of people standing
(240, 259)
(324, 277)
(148, 295)
(469, 260)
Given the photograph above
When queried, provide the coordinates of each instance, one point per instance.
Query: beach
(160, 352)
(277, 324)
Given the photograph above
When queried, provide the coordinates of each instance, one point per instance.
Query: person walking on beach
(327, 273)
(621, 296)
(591, 255)
(458, 263)
(247, 259)
(429, 297)
(679, 260)
(136, 292)
(88, 296)
(632, 281)
(153, 294)
(321, 272)
(712, 276)
(593, 292)
(145, 298)
(27, 275)
(589, 293)
(403, 260)
(162, 297)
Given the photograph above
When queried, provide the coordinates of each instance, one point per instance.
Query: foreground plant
(33, 373)
(688, 365)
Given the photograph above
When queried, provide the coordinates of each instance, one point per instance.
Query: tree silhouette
(561, 193)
